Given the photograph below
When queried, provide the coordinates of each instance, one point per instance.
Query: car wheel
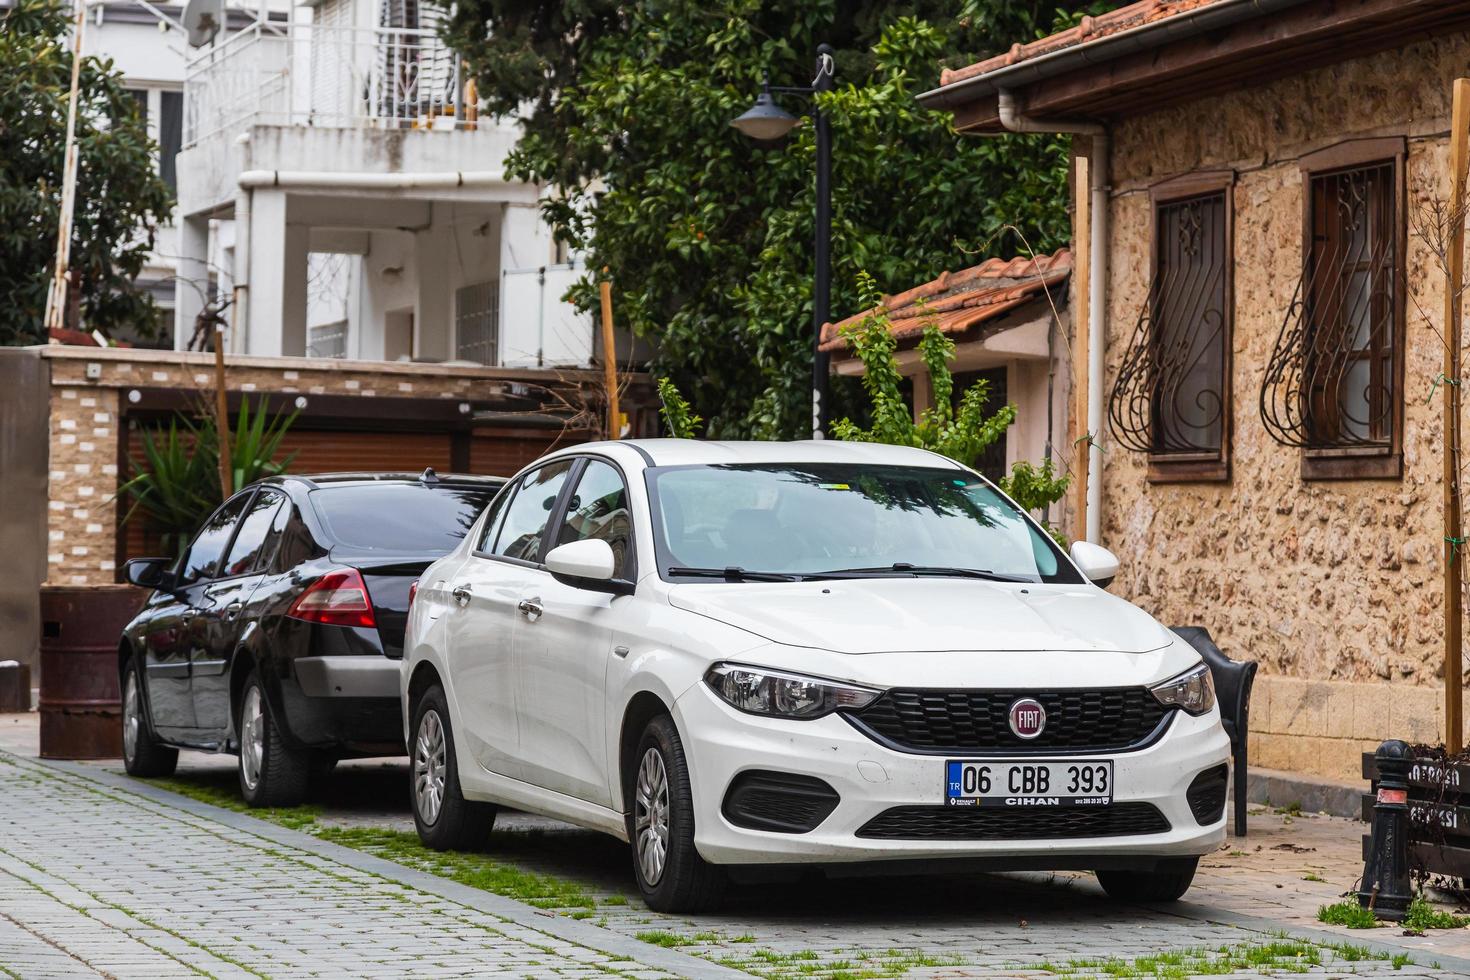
(1165, 885)
(445, 820)
(671, 874)
(272, 772)
(143, 755)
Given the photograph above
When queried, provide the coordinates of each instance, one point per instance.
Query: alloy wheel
(428, 767)
(252, 737)
(132, 721)
(651, 816)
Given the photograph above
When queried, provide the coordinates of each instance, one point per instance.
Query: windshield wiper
(908, 568)
(735, 573)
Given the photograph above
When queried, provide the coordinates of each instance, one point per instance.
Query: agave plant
(177, 484)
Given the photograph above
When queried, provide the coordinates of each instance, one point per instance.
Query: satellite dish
(203, 20)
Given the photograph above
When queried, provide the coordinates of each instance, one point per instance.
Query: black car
(278, 633)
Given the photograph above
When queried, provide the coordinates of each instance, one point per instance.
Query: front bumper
(721, 742)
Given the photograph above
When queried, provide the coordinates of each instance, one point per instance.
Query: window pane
(819, 517)
(599, 509)
(1188, 311)
(203, 559)
(249, 547)
(404, 518)
(170, 136)
(526, 517)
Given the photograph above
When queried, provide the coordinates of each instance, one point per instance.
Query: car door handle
(531, 607)
(186, 615)
(461, 594)
(233, 609)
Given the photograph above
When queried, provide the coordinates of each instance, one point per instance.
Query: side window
(529, 511)
(203, 558)
(249, 552)
(492, 520)
(599, 509)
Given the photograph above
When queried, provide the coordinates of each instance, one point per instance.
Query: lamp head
(765, 121)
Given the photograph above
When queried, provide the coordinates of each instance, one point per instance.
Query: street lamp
(765, 122)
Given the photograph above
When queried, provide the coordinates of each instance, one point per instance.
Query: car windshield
(792, 520)
(402, 518)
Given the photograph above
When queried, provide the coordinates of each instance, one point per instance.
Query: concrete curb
(1315, 794)
(559, 927)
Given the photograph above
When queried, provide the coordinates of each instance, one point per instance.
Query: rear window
(408, 518)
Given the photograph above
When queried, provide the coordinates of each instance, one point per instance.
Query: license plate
(1016, 783)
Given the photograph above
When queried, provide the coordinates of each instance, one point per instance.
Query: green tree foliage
(963, 434)
(709, 236)
(120, 200)
(680, 419)
(177, 485)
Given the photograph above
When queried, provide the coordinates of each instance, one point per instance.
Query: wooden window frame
(1361, 463)
(1200, 467)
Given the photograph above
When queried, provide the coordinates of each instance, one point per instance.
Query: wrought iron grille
(1330, 380)
(1169, 396)
(477, 323)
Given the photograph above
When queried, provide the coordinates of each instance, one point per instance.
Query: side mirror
(585, 564)
(150, 573)
(1096, 562)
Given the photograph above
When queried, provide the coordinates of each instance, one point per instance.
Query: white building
(337, 193)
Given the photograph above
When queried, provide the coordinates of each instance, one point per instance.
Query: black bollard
(1386, 888)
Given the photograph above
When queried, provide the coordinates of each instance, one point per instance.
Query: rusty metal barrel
(81, 709)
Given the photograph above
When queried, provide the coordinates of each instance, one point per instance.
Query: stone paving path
(97, 882)
(101, 875)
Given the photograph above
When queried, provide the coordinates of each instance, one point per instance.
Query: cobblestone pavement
(94, 877)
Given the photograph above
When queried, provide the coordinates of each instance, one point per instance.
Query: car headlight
(760, 691)
(1193, 690)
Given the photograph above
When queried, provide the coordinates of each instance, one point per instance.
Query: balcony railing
(309, 75)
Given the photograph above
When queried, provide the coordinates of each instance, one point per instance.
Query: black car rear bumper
(351, 676)
(346, 703)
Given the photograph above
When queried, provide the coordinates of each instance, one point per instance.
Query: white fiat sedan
(744, 657)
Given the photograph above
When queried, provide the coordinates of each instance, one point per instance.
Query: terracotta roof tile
(1090, 29)
(959, 300)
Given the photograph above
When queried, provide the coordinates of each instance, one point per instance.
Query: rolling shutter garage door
(503, 451)
(365, 452)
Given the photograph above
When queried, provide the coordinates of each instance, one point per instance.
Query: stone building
(1264, 305)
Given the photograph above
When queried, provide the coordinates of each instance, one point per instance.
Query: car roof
(695, 452)
(315, 480)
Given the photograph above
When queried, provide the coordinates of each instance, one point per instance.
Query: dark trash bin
(15, 688)
(81, 706)
(1233, 680)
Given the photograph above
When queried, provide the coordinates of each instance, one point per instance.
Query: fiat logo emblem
(1028, 718)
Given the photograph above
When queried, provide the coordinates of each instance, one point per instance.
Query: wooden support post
(610, 362)
(59, 293)
(222, 413)
(1453, 526)
(1081, 285)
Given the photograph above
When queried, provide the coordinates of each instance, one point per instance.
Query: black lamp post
(767, 122)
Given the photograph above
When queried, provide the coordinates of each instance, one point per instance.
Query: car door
(561, 652)
(221, 617)
(175, 633)
(485, 590)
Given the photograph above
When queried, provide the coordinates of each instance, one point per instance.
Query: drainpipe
(1016, 121)
(240, 341)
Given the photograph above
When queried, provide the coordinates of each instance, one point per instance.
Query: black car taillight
(338, 598)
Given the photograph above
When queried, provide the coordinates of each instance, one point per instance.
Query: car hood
(882, 615)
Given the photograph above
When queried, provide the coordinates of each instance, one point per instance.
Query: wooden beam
(1453, 526)
(610, 362)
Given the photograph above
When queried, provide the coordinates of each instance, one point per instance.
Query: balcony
(326, 76)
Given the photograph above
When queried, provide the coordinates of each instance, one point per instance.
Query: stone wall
(1333, 586)
(86, 413)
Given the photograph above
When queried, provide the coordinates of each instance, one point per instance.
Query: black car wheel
(1162, 885)
(272, 772)
(671, 874)
(143, 755)
(445, 820)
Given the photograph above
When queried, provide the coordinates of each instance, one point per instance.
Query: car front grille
(969, 721)
(1026, 823)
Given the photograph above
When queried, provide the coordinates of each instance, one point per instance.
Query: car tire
(670, 872)
(445, 820)
(143, 755)
(1164, 885)
(272, 771)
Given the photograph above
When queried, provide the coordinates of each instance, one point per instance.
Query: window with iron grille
(477, 323)
(1171, 397)
(1333, 385)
